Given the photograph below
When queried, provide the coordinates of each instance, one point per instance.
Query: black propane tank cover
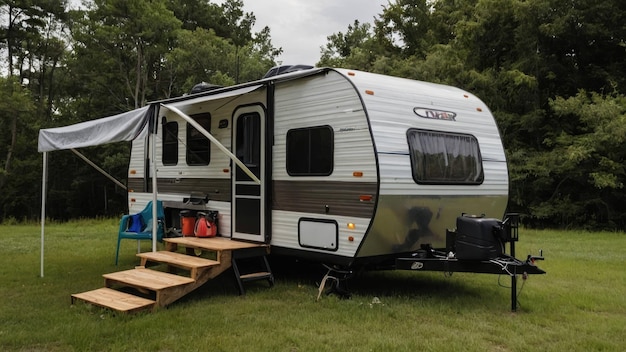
(475, 238)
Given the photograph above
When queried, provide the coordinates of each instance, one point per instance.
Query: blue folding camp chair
(139, 226)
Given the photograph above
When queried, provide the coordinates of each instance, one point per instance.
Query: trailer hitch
(532, 258)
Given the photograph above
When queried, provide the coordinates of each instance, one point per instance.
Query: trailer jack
(338, 278)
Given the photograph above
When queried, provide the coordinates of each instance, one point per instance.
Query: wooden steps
(120, 301)
(210, 244)
(145, 278)
(164, 288)
(178, 260)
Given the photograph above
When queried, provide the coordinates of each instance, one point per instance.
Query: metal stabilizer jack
(337, 279)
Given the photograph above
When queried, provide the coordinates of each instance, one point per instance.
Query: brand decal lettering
(435, 114)
(417, 265)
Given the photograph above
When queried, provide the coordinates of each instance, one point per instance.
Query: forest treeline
(552, 72)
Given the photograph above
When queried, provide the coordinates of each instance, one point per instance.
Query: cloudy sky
(300, 27)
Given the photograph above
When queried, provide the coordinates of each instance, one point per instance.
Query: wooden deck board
(148, 279)
(213, 243)
(178, 259)
(109, 298)
(252, 276)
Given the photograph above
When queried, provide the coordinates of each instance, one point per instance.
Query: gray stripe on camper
(315, 197)
(218, 189)
(325, 197)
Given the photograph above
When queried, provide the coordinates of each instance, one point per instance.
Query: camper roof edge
(264, 81)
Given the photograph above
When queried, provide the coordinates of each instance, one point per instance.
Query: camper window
(310, 151)
(444, 158)
(170, 143)
(249, 139)
(199, 146)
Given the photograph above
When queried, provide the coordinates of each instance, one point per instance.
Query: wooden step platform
(146, 279)
(167, 287)
(210, 244)
(120, 301)
(178, 260)
(229, 251)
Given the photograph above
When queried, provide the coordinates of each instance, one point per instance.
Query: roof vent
(203, 87)
(279, 70)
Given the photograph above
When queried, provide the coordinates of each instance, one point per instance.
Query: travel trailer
(347, 168)
(351, 168)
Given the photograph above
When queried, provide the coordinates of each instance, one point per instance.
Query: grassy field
(580, 305)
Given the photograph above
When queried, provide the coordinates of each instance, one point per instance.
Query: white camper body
(352, 167)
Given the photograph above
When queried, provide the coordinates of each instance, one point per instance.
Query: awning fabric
(118, 128)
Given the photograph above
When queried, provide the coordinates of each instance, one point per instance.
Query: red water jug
(204, 227)
(187, 222)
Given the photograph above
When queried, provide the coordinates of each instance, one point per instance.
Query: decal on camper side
(435, 114)
(417, 265)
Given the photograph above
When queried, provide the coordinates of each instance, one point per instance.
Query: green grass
(579, 305)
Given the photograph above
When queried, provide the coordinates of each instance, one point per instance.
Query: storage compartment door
(318, 233)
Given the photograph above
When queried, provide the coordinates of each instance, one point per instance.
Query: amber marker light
(226, 170)
(365, 197)
(351, 74)
(351, 238)
(369, 92)
(132, 172)
(479, 109)
(351, 226)
(133, 200)
(357, 174)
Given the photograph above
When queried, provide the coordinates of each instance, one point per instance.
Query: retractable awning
(118, 128)
(122, 127)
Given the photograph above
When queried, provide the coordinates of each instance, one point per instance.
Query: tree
(195, 14)
(128, 40)
(17, 109)
(405, 25)
(585, 40)
(201, 56)
(67, 66)
(341, 45)
(117, 63)
(257, 56)
(32, 42)
(563, 46)
(528, 60)
(582, 175)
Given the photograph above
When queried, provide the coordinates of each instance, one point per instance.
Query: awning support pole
(99, 169)
(154, 179)
(44, 182)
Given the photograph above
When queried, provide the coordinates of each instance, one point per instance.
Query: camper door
(248, 212)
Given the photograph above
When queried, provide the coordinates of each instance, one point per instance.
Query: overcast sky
(300, 27)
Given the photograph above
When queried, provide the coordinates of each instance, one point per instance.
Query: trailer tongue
(477, 245)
